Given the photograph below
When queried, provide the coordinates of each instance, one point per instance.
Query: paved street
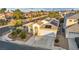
(13, 46)
(4, 30)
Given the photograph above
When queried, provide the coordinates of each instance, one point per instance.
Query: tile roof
(74, 28)
(72, 16)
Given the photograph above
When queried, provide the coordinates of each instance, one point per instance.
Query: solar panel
(54, 22)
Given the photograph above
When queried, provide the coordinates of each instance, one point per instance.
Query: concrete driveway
(42, 42)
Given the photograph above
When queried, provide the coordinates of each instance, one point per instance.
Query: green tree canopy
(18, 23)
(2, 10)
(54, 15)
(18, 14)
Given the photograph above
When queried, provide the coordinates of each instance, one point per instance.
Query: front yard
(20, 34)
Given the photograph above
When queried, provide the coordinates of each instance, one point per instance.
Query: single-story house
(71, 26)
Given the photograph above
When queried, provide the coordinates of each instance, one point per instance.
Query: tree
(2, 10)
(18, 23)
(18, 14)
(14, 34)
(54, 15)
(42, 11)
(30, 19)
(3, 22)
(61, 20)
(23, 35)
(18, 31)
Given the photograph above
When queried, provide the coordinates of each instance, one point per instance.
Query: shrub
(22, 35)
(18, 31)
(18, 23)
(56, 40)
(14, 34)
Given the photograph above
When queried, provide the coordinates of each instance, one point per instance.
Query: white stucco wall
(72, 44)
(68, 22)
(71, 35)
(49, 33)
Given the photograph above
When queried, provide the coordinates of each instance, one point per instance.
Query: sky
(44, 9)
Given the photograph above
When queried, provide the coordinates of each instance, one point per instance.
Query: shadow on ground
(12, 46)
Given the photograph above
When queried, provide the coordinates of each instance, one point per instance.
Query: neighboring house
(44, 27)
(71, 26)
(2, 16)
(62, 13)
(8, 15)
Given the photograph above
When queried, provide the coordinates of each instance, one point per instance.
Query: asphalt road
(12, 46)
(4, 30)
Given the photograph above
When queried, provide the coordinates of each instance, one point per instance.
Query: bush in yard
(56, 40)
(18, 31)
(14, 34)
(22, 35)
(18, 23)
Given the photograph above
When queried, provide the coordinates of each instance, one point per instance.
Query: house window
(48, 26)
